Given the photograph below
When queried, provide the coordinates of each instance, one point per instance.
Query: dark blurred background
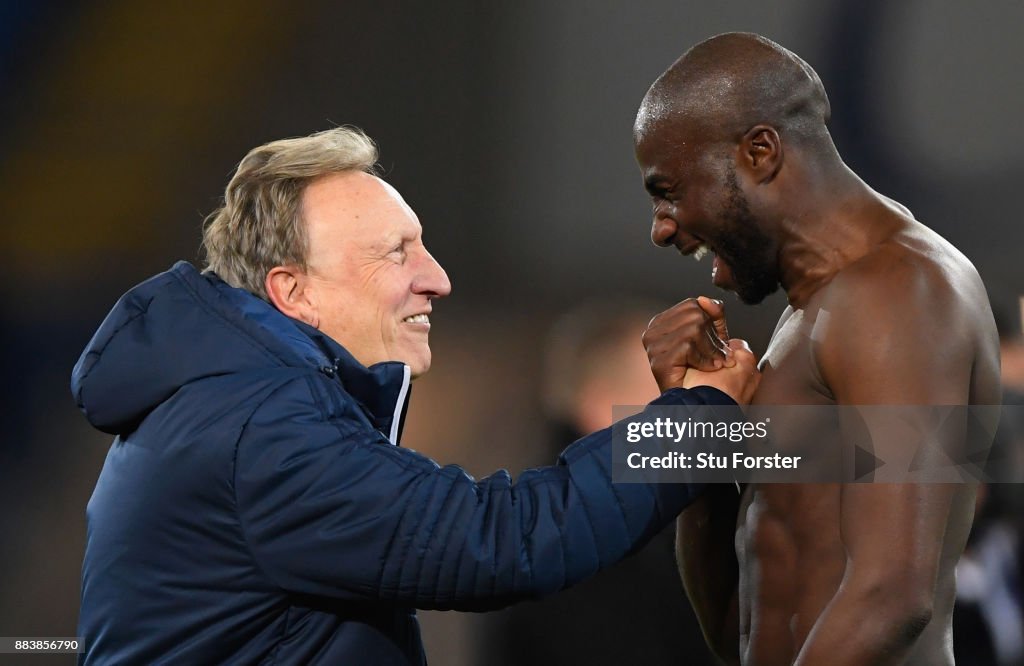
(507, 127)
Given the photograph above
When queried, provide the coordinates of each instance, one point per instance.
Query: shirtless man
(733, 149)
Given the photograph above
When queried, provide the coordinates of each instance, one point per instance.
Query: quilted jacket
(255, 506)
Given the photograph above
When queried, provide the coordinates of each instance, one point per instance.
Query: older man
(255, 506)
(732, 144)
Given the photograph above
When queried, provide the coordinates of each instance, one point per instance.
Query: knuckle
(689, 305)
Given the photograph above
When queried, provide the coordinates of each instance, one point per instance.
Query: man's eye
(662, 197)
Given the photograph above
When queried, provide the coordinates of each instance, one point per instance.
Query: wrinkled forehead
(355, 207)
(395, 197)
(385, 215)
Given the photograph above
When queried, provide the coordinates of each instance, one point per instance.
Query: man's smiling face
(371, 277)
(699, 208)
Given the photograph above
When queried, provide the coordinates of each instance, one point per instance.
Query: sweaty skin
(810, 573)
(883, 311)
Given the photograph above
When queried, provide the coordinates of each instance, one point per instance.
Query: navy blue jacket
(254, 506)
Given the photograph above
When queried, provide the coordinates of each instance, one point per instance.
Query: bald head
(727, 84)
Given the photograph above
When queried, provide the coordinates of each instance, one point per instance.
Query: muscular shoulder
(910, 313)
(913, 256)
(915, 278)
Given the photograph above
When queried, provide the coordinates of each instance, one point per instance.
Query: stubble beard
(748, 251)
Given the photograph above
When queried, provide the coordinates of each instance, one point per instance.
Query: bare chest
(790, 373)
(791, 561)
(791, 558)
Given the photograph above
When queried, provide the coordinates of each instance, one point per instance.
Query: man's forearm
(706, 556)
(865, 626)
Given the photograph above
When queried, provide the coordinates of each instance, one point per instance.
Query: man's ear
(289, 290)
(761, 153)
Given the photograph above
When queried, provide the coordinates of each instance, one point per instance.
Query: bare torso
(789, 549)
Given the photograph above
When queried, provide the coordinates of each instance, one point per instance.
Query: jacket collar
(382, 390)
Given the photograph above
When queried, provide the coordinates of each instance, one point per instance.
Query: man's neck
(839, 220)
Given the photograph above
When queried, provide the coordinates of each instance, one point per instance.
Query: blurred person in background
(634, 612)
(255, 504)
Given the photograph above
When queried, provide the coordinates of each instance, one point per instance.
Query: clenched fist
(691, 338)
(738, 381)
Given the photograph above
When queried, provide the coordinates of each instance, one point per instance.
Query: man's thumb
(716, 310)
(737, 344)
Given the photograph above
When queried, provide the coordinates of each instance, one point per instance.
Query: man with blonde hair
(255, 506)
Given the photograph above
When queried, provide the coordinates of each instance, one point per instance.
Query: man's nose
(663, 230)
(432, 280)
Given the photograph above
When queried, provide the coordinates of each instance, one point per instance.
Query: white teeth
(418, 319)
(700, 252)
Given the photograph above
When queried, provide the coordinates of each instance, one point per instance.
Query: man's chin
(751, 286)
(754, 296)
(419, 366)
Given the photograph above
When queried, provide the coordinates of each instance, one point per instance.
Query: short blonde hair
(260, 224)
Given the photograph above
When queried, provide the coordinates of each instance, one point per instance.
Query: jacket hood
(181, 326)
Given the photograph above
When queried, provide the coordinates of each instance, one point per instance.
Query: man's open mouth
(698, 249)
(721, 273)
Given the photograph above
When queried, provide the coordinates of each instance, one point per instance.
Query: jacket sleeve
(329, 507)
